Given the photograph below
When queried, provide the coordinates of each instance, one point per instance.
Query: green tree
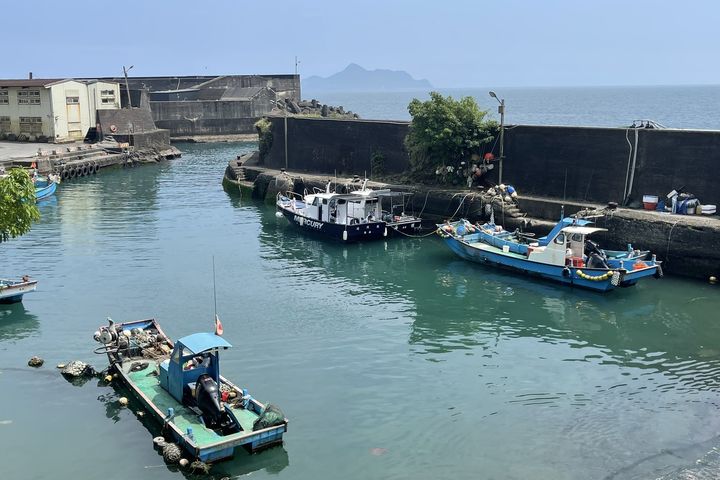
(444, 133)
(265, 136)
(17, 204)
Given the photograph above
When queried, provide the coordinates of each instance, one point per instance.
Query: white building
(58, 110)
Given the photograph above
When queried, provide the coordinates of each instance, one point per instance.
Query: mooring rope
(432, 232)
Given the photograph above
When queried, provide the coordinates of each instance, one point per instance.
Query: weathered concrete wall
(537, 158)
(329, 145)
(126, 120)
(208, 117)
(209, 126)
(597, 160)
(134, 126)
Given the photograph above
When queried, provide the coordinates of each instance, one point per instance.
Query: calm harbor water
(391, 359)
(692, 107)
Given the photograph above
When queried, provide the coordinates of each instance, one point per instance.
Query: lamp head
(492, 94)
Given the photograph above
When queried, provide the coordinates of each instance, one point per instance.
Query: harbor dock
(688, 245)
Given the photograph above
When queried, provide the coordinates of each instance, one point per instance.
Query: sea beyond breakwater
(392, 359)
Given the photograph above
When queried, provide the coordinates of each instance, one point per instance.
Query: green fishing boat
(180, 385)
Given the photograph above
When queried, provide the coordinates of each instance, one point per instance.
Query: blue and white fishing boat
(45, 186)
(180, 384)
(348, 217)
(12, 291)
(565, 255)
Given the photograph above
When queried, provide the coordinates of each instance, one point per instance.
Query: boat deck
(149, 384)
(498, 251)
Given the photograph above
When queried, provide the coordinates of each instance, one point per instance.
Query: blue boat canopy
(200, 342)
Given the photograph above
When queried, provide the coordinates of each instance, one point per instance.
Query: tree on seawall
(17, 204)
(443, 134)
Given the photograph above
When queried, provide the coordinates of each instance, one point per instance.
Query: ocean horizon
(692, 107)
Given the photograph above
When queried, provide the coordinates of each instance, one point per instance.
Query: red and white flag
(218, 326)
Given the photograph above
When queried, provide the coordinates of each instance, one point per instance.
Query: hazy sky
(450, 43)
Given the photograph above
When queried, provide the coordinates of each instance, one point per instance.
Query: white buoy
(713, 279)
(278, 215)
(123, 401)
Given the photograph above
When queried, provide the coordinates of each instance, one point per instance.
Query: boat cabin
(343, 209)
(192, 356)
(567, 246)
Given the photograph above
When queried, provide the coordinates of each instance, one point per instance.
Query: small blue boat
(12, 291)
(180, 385)
(44, 187)
(565, 255)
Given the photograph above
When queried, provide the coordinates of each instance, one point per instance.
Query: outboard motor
(107, 334)
(207, 398)
(595, 260)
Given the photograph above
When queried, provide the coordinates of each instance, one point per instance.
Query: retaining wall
(579, 163)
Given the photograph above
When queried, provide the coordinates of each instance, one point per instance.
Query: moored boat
(12, 291)
(180, 384)
(45, 186)
(565, 255)
(348, 217)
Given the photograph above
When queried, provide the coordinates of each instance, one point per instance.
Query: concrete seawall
(689, 245)
(601, 164)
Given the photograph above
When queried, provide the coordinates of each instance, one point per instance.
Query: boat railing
(290, 195)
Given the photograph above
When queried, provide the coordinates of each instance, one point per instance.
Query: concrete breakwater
(586, 164)
(82, 160)
(689, 246)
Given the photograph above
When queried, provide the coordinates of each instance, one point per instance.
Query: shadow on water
(16, 322)
(272, 460)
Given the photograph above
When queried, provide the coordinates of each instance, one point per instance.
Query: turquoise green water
(391, 359)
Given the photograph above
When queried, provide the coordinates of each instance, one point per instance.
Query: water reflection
(456, 305)
(17, 322)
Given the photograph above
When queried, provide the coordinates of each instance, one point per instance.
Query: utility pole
(501, 111)
(127, 85)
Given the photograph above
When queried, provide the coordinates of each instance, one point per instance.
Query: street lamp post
(501, 111)
(127, 85)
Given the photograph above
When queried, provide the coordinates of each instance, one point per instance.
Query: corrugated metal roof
(26, 82)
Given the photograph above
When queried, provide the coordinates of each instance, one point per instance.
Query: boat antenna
(562, 207)
(214, 291)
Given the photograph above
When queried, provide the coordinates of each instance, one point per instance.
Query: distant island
(357, 79)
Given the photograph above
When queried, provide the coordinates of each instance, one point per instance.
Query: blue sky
(451, 43)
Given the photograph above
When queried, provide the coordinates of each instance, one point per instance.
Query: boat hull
(404, 228)
(220, 450)
(567, 275)
(336, 231)
(44, 192)
(13, 293)
(186, 428)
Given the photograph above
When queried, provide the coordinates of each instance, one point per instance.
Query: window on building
(29, 97)
(72, 100)
(4, 99)
(4, 124)
(31, 124)
(107, 96)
